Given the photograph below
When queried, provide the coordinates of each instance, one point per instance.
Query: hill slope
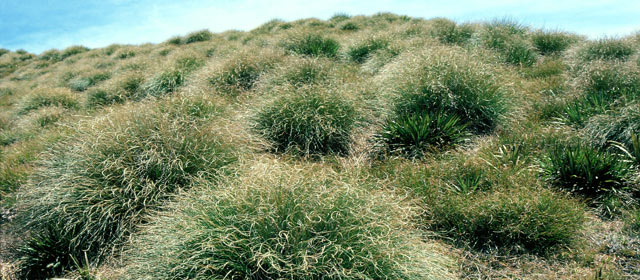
(366, 147)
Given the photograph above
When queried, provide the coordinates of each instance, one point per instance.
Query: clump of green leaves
(551, 42)
(312, 45)
(360, 52)
(47, 99)
(198, 36)
(414, 135)
(584, 170)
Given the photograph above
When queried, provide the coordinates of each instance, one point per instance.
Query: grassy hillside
(365, 147)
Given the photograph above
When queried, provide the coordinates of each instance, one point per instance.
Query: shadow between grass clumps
(91, 191)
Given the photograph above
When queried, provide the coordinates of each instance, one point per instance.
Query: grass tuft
(83, 83)
(360, 52)
(198, 36)
(71, 51)
(312, 45)
(94, 191)
(241, 73)
(516, 221)
(607, 49)
(448, 32)
(551, 42)
(43, 98)
(309, 121)
(584, 170)
(414, 135)
(276, 225)
(170, 80)
(450, 83)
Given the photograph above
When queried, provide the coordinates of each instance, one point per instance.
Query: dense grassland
(365, 147)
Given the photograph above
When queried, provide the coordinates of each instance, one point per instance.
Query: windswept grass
(607, 49)
(451, 82)
(552, 42)
(448, 32)
(312, 45)
(312, 120)
(276, 224)
(48, 98)
(91, 192)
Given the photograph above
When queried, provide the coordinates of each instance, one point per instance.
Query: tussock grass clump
(95, 190)
(448, 32)
(41, 117)
(551, 42)
(241, 73)
(619, 127)
(273, 224)
(516, 221)
(4, 51)
(610, 78)
(312, 45)
(83, 83)
(497, 33)
(360, 52)
(125, 54)
(100, 97)
(71, 51)
(607, 49)
(414, 135)
(198, 36)
(509, 39)
(584, 170)
(176, 40)
(48, 98)
(519, 52)
(307, 72)
(450, 82)
(349, 26)
(310, 120)
(170, 80)
(51, 55)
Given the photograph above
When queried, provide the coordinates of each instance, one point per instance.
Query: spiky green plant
(414, 135)
(584, 170)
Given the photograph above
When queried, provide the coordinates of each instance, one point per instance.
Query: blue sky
(45, 24)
